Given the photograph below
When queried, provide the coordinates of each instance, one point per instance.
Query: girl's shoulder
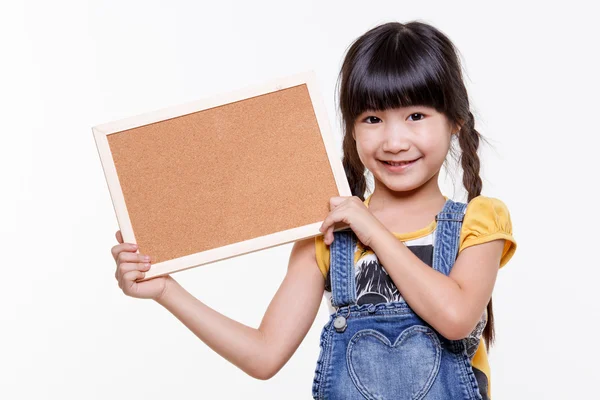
(487, 219)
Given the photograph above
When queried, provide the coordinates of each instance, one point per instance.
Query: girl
(420, 327)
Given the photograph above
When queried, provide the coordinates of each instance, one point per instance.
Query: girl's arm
(261, 352)
(452, 304)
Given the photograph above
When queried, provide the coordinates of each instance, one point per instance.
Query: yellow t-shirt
(486, 219)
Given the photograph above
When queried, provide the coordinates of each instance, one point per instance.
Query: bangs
(395, 73)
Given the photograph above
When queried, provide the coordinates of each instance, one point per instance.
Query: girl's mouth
(397, 167)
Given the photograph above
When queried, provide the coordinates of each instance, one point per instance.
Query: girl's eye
(367, 119)
(417, 114)
(370, 121)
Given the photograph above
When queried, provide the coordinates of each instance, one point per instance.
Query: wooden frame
(170, 169)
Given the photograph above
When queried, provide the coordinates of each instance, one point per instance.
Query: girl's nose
(396, 139)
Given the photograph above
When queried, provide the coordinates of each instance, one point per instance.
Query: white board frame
(102, 131)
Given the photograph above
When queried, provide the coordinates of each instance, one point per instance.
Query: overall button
(339, 323)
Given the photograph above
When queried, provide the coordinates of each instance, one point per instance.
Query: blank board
(223, 176)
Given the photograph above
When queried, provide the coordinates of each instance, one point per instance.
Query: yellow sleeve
(322, 254)
(487, 219)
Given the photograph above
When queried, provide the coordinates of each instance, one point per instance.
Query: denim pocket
(403, 370)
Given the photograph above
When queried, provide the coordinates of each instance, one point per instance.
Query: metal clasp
(340, 322)
(448, 219)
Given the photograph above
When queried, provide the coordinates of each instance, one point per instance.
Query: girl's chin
(399, 183)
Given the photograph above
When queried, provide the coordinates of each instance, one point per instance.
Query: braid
(353, 166)
(469, 138)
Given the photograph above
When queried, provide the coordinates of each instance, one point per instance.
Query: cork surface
(225, 174)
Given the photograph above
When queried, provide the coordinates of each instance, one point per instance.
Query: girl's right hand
(132, 266)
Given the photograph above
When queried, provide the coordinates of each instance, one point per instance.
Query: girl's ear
(457, 127)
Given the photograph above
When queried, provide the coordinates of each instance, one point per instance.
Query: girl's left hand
(352, 212)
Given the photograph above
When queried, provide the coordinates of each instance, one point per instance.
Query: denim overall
(386, 351)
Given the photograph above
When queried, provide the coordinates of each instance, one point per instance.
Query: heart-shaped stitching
(405, 370)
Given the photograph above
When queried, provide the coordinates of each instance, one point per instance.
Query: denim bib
(385, 351)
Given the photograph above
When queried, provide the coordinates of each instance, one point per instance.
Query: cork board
(223, 176)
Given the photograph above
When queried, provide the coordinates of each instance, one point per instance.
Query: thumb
(336, 201)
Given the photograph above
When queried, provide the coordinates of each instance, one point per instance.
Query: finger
(326, 236)
(334, 202)
(126, 268)
(123, 268)
(129, 280)
(326, 223)
(126, 256)
(330, 234)
(132, 266)
(132, 276)
(123, 248)
(119, 236)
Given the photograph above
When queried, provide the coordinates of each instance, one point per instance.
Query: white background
(68, 332)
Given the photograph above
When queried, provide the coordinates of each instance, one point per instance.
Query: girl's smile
(399, 167)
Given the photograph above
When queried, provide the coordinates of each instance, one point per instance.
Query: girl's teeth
(395, 164)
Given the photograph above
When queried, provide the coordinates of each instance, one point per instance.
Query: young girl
(420, 327)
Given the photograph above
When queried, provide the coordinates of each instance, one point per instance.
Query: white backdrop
(68, 332)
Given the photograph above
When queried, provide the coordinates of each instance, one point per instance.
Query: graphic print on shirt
(373, 283)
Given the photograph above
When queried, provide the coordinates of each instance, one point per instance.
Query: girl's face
(417, 133)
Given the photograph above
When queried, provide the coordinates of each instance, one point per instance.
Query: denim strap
(445, 245)
(341, 267)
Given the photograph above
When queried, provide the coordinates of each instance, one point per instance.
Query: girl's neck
(405, 212)
(419, 200)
